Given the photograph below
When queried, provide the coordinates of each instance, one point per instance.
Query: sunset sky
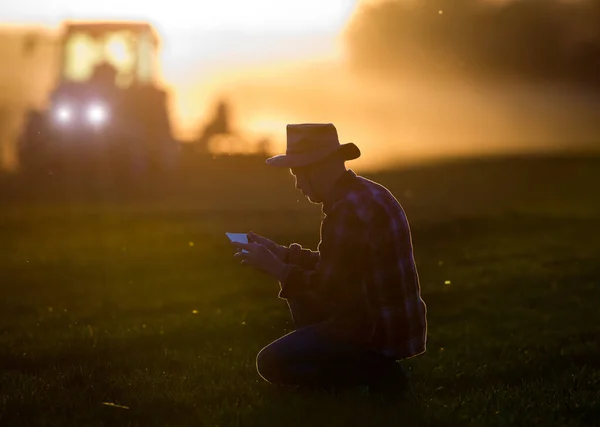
(210, 31)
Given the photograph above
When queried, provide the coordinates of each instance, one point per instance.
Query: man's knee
(268, 364)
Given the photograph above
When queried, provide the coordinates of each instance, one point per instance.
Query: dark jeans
(312, 358)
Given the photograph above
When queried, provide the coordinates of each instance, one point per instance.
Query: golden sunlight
(201, 43)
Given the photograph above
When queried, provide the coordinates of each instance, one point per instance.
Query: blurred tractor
(107, 117)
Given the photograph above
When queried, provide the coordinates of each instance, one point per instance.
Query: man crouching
(356, 301)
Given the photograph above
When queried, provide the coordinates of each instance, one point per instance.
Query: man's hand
(279, 251)
(261, 258)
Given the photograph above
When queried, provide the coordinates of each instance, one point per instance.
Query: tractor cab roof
(101, 28)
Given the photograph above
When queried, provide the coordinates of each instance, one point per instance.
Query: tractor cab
(102, 65)
(106, 104)
(127, 50)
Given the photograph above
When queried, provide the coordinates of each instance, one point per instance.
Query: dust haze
(425, 80)
(25, 82)
(410, 121)
(413, 81)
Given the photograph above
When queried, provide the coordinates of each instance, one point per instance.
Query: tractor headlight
(97, 114)
(64, 114)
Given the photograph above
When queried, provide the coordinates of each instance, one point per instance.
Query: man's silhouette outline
(356, 301)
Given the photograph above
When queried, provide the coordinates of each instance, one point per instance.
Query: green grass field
(128, 309)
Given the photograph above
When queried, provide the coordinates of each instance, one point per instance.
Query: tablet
(238, 237)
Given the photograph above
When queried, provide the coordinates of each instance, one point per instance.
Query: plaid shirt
(363, 277)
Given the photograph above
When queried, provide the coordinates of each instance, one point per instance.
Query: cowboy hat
(310, 142)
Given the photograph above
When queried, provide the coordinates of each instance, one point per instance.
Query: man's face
(304, 183)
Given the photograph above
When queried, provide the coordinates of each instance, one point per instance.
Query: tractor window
(119, 53)
(81, 57)
(84, 54)
(146, 52)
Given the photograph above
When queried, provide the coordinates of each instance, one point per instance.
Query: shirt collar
(340, 189)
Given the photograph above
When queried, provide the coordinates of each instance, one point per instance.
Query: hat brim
(348, 151)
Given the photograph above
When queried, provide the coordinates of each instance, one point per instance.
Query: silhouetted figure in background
(105, 74)
(218, 125)
(356, 301)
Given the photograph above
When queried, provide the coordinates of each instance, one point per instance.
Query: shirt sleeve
(303, 258)
(341, 235)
